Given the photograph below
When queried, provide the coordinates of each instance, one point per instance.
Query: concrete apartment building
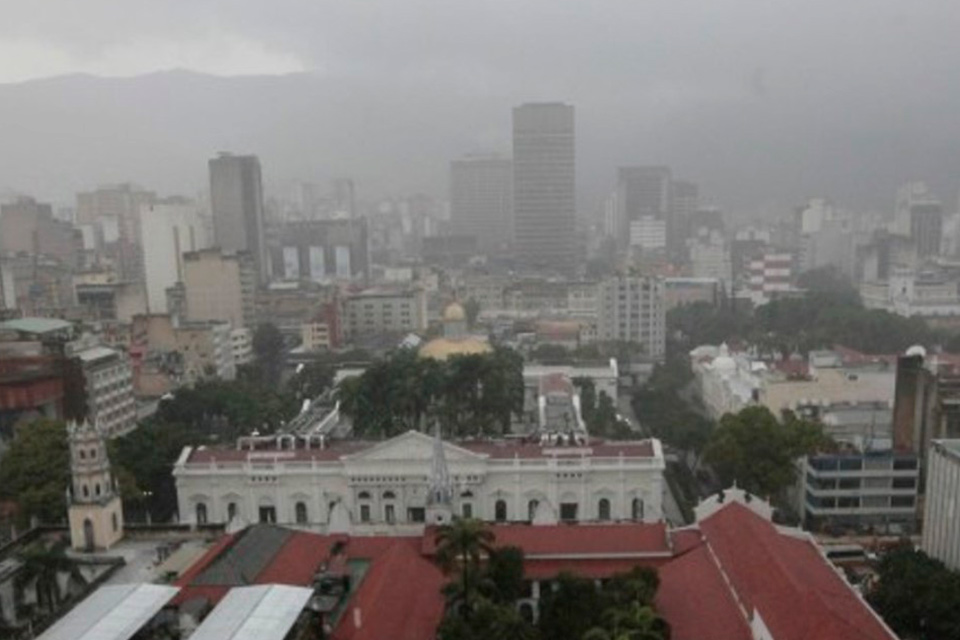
(380, 311)
(941, 518)
(29, 227)
(109, 387)
(236, 199)
(631, 309)
(544, 186)
(481, 200)
(323, 251)
(644, 200)
(167, 231)
(220, 287)
(115, 211)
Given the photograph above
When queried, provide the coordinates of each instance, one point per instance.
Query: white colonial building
(377, 487)
(727, 383)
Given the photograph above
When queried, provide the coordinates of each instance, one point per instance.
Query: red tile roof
(696, 602)
(796, 592)
(593, 568)
(399, 598)
(583, 540)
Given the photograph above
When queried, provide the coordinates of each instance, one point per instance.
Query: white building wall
(941, 521)
(166, 232)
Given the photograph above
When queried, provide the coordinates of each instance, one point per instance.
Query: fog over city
(763, 103)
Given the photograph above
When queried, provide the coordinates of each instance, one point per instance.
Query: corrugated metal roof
(112, 613)
(35, 325)
(265, 612)
(246, 558)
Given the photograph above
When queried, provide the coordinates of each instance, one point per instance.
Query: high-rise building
(115, 209)
(322, 250)
(168, 231)
(643, 192)
(631, 310)
(941, 519)
(481, 199)
(926, 227)
(28, 226)
(544, 186)
(236, 199)
(685, 202)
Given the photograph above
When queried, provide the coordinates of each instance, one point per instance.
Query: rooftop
(36, 326)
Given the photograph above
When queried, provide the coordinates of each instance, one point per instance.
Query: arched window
(389, 495)
(467, 494)
(113, 520)
(83, 454)
(603, 509)
(93, 454)
(231, 511)
(301, 512)
(532, 509)
(636, 509)
(364, 495)
(201, 513)
(96, 489)
(500, 511)
(86, 491)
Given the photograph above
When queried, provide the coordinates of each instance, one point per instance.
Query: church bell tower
(95, 512)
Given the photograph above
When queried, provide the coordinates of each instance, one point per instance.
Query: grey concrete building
(236, 198)
(544, 186)
(481, 200)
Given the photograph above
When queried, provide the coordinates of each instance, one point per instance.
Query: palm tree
(41, 566)
(633, 622)
(461, 546)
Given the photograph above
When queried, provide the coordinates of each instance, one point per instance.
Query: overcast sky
(860, 66)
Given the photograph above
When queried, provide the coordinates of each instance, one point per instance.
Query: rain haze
(763, 103)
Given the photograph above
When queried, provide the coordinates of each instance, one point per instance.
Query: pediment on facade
(411, 445)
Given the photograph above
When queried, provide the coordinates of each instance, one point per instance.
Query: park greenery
(486, 582)
(917, 595)
(831, 313)
(477, 394)
(758, 452)
(35, 472)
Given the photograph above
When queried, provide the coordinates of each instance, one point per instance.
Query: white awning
(265, 612)
(112, 613)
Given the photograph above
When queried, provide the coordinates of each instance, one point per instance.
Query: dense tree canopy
(470, 394)
(35, 472)
(758, 452)
(917, 595)
(270, 353)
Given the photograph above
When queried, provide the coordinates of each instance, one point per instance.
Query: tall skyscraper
(168, 229)
(236, 198)
(643, 195)
(544, 186)
(481, 199)
(685, 202)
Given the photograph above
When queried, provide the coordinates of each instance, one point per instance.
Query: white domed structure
(917, 350)
(454, 313)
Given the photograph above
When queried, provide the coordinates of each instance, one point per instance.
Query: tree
(505, 574)
(571, 609)
(270, 352)
(311, 381)
(758, 452)
(472, 310)
(42, 564)
(460, 547)
(35, 471)
(917, 595)
(489, 620)
(635, 621)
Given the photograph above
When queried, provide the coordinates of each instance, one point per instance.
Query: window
(851, 464)
(389, 514)
(231, 511)
(268, 515)
(466, 510)
(364, 495)
(114, 522)
(500, 511)
(532, 509)
(416, 514)
(96, 489)
(389, 495)
(849, 483)
(364, 513)
(603, 509)
(83, 454)
(848, 503)
(86, 491)
(904, 464)
(568, 511)
(201, 514)
(901, 501)
(300, 512)
(904, 483)
(93, 454)
(636, 509)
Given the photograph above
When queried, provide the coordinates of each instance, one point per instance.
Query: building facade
(544, 186)
(941, 518)
(109, 389)
(376, 486)
(95, 511)
(378, 311)
(481, 200)
(220, 287)
(168, 230)
(236, 199)
(322, 251)
(632, 310)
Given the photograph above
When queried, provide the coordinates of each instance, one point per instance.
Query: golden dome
(454, 313)
(443, 348)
